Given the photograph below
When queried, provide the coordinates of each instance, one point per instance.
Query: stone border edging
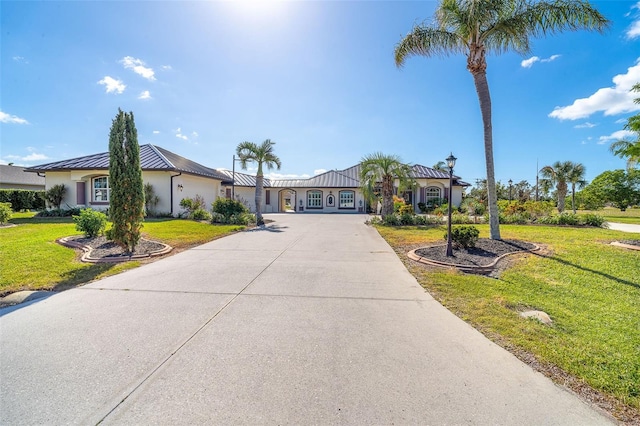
(86, 255)
(623, 245)
(484, 269)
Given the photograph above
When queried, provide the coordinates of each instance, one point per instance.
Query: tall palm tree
(625, 148)
(478, 27)
(576, 178)
(262, 154)
(378, 168)
(559, 173)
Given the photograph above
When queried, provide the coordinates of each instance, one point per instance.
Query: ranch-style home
(174, 177)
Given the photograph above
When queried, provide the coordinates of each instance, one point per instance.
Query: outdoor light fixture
(180, 187)
(451, 162)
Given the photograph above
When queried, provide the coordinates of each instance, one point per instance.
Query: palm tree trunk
(387, 195)
(573, 197)
(259, 183)
(562, 195)
(482, 88)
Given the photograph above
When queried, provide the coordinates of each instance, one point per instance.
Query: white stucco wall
(193, 185)
(247, 195)
(302, 195)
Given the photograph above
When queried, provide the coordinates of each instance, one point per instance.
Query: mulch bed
(101, 248)
(484, 253)
(631, 242)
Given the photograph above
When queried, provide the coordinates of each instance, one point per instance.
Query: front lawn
(612, 214)
(590, 289)
(32, 260)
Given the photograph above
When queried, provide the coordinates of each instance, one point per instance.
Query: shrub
(464, 236)
(406, 209)
(566, 218)
(91, 222)
(514, 218)
(407, 219)
(151, 200)
(55, 195)
(391, 220)
(201, 214)
(459, 218)
(591, 219)
(232, 212)
(441, 210)
(59, 212)
(5, 212)
(23, 199)
(472, 207)
(422, 207)
(192, 204)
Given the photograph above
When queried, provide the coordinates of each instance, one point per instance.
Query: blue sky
(316, 77)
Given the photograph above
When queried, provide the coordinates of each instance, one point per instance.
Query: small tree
(126, 204)
(5, 212)
(618, 187)
(55, 195)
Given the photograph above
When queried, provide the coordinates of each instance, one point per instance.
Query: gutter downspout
(171, 190)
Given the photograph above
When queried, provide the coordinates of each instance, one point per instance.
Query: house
(172, 177)
(14, 177)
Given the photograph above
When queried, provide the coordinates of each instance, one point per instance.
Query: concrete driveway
(313, 321)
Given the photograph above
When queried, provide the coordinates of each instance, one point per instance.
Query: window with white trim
(432, 195)
(314, 199)
(347, 200)
(101, 189)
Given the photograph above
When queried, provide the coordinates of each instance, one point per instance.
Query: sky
(316, 77)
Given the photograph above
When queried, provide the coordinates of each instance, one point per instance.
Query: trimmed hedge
(23, 199)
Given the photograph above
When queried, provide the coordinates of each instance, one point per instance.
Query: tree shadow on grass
(593, 271)
(80, 276)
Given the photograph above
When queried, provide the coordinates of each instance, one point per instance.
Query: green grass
(615, 215)
(590, 289)
(32, 260)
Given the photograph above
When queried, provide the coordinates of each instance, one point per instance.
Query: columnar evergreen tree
(126, 200)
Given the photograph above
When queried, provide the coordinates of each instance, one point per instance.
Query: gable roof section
(330, 179)
(15, 175)
(243, 179)
(151, 158)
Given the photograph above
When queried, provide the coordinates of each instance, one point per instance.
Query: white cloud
(611, 100)
(20, 59)
(317, 172)
(34, 157)
(113, 85)
(138, 66)
(634, 30)
(621, 121)
(156, 132)
(144, 95)
(179, 134)
(166, 67)
(286, 176)
(195, 134)
(615, 136)
(528, 63)
(586, 125)
(13, 119)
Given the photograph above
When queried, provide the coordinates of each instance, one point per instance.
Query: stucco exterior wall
(302, 195)
(247, 195)
(191, 186)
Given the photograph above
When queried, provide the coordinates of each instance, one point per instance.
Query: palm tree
(559, 174)
(262, 155)
(477, 27)
(576, 178)
(630, 149)
(379, 168)
(440, 166)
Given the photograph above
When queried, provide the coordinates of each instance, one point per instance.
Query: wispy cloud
(35, 157)
(31, 157)
(586, 125)
(621, 121)
(286, 176)
(615, 136)
(12, 119)
(528, 63)
(195, 134)
(113, 85)
(611, 100)
(634, 29)
(166, 67)
(20, 59)
(317, 172)
(156, 132)
(144, 95)
(138, 66)
(179, 134)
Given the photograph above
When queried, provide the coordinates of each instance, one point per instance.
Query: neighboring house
(14, 177)
(173, 178)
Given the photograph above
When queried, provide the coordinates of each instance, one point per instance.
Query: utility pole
(537, 170)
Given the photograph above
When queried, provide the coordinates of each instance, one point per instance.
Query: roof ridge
(162, 156)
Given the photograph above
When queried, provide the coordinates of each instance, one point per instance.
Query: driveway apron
(312, 320)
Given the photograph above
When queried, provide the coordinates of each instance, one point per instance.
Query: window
(314, 199)
(347, 200)
(267, 194)
(432, 196)
(101, 189)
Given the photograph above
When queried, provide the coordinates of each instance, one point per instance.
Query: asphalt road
(312, 321)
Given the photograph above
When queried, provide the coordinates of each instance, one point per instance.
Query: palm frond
(428, 41)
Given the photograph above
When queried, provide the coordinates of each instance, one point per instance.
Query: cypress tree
(126, 202)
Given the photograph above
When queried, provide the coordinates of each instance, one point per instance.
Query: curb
(623, 245)
(484, 269)
(86, 255)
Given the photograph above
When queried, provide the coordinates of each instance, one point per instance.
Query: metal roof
(242, 179)
(151, 158)
(16, 175)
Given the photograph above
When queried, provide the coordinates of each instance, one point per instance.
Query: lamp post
(451, 162)
(510, 183)
(233, 179)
